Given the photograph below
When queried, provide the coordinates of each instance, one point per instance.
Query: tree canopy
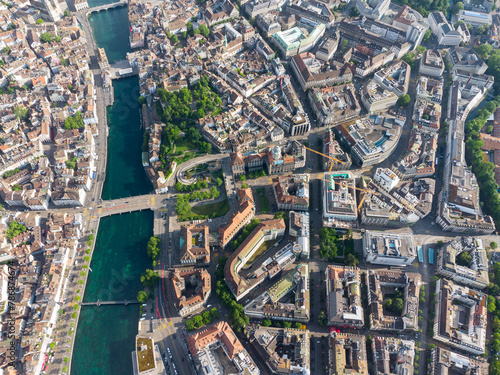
(458, 7)
(328, 245)
(153, 248)
(149, 278)
(464, 259)
(15, 229)
(46, 37)
(74, 122)
(404, 101)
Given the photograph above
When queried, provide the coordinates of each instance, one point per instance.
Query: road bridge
(104, 7)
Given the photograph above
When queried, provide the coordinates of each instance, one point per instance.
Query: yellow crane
(366, 191)
(326, 156)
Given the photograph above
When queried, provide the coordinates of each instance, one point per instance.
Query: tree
(427, 35)
(200, 113)
(57, 38)
(322, 318)
(218, 181)
(491, 304)
(214, 313)
(74, 122)
(16, 187)
(328, 244)
(189, 325)
(39, 21)
(142, 296)
(142, 100)
(493, 245)
(287, 324)
(464, 259)
(21, 113)
(67, 13)
(351, 260)
(71, 164)
(344, 45)
(153, 247)
(207, 318)
(46, 37)
(484, 51)
(174, 39)
(420, 50)
(404, 101)
(204, 30)
(409, 58)
(149, 278)
(184, 35)
(354, 12)
(482, 29)
(14, 229)
(298, 325)
(458, 7)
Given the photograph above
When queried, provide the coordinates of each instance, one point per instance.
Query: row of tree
(247, 229)
(484, 170)
(236, 313)
(495, 342)
(196, 186)
(154, 248)
(277, 323)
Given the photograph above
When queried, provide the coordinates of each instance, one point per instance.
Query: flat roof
(145, 354)
(475, 14)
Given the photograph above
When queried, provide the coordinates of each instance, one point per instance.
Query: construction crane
(366, 191)
(326, 156)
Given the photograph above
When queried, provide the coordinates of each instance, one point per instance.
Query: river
(105, 336)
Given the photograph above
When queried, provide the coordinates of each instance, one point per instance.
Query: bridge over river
(104, 303)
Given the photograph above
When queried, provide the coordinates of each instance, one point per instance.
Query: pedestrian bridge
(99, 303)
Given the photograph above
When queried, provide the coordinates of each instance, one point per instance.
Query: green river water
(105, 336)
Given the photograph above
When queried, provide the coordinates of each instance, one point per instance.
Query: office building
(217, 350)
(405, 290)
(461, 317)
(431, 63)
(464, 261)
(343, 297)
(389, 249)
(339, 200)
